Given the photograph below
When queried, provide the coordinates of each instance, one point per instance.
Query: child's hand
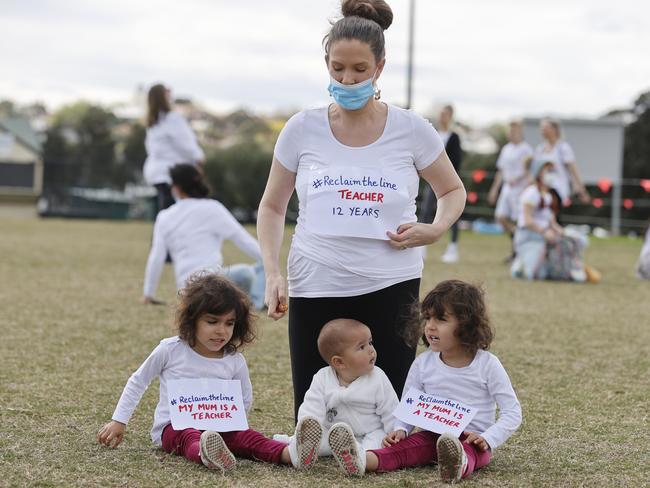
(393, 438)
(477, 440)
(111, 434)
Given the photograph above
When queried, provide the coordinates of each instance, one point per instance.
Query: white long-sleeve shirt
(484, 385)
(174, 359)
(171, 141)
(192, 231)
(366, 404)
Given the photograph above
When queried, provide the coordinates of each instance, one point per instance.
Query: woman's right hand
(112, 434)
(275, 296)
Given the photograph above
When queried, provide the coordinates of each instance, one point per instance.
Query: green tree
(92, 147)
(133, 154)
(636, 155)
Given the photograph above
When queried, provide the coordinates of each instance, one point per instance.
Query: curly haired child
(214, 322)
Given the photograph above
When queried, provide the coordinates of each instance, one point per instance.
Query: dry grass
(73, 331)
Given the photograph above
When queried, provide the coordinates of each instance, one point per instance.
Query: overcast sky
(493, 59)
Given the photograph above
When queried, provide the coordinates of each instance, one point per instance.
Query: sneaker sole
(344, 449)
(309, 434)
(450, 458)
(215, 451)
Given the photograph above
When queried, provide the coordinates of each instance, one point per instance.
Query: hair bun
(376, 10)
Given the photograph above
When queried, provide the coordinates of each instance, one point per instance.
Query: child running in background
(456, 366)
(351, 398)
(214, 321)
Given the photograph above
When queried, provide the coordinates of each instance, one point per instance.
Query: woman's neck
(368, 112)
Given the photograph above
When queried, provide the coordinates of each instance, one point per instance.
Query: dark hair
(363, 20)
(156, 102)
(465, 302)
(209, 293)
(190, 180)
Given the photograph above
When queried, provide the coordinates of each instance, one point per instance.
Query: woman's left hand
(413, 234)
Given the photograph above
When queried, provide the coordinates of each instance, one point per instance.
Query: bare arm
(449, 191)
(529, 222)
(270, 232)
(578, 185)
(494, 189)
(551, 233)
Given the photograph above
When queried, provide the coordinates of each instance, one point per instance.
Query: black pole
(409, 67)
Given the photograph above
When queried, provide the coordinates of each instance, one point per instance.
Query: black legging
(164, 198)
(384, 312)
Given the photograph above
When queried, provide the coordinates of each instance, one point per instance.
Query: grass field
(73, 330)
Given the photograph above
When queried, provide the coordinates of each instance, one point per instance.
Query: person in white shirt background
(643, 265)
(214, 323)
(350, 397)
(511, 179)
(192, 231)
(456, 366)
(169, 141)
(362, 262)
(561, 154)
(544, 250)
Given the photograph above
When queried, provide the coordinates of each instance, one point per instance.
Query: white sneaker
(305, 444)
(345, 450)
(214, 452)
(451, 254)
(452, 460)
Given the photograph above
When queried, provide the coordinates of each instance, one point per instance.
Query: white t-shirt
(339, 265)
(174, 359)
(541, 216)
(192, 231)
(484, 385)
(560, 154)
(511, 162)
(171, 141)
(444, 136)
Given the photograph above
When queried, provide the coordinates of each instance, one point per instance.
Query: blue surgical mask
(352, 97)
(549, 179)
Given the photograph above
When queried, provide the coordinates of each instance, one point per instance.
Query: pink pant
(248, 444)
(420, 448)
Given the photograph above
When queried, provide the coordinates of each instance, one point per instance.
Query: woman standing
(355, 167)
(169, 141)
(560, 153)
(453, 148)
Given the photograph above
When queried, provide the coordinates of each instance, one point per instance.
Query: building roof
(22, 130)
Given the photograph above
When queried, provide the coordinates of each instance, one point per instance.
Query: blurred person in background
(192, 231)
(511, 179)
(643, 266)
(560, 153)
(544, 250)
(169, 141)
(453, 149)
